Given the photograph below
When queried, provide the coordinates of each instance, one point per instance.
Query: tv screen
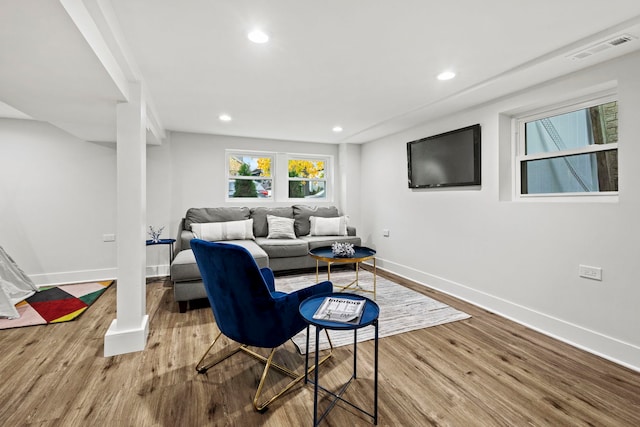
(448, 159)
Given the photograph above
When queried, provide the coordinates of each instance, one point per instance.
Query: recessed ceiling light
(337, 129)
(446, 75)
(224, 118)
(258, 36)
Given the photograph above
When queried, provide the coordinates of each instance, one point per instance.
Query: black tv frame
(477, 163)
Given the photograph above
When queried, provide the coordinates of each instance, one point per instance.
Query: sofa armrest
(178, 245)
(185, 239)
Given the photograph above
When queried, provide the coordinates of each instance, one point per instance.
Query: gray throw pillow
(259, 215)
(280, 228)
(204, 215)
(301, 214)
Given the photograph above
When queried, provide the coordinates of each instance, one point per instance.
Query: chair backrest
(242, 304)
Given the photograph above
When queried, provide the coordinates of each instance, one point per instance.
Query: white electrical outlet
(385, 232)
(594, 273)
(108, 237)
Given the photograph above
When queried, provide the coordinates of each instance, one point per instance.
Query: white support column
(343, 167)
(129, 331)
(349, 169)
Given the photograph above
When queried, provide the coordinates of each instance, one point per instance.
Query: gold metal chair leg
(202, 369)
(268, 361)
(261, 407)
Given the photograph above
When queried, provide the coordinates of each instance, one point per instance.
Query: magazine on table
(336, 309)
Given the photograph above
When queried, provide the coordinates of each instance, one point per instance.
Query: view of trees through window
(306, 178)
(249, 176)
(254, 175)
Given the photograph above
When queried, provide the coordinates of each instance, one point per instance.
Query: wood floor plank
(483, 371)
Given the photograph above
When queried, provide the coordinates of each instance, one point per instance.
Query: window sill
(608, 197)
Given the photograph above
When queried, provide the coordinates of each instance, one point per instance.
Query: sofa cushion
(259, 216)
(228, 230)
(187, 291)
(215, 215)
(184, 267)
(283, 248)
(320, 241)
(301, 213)
(320, 226)
(280, 228)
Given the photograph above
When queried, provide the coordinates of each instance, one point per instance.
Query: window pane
(301, 168)
(593, 125)
(581, 173)
(248, 165)
(307, 189)
(256, 188)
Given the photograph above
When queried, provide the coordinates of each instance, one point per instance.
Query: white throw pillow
(280, 227)
(230, 230)
(336, 226)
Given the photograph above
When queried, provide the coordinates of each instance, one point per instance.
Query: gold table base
(354, 285)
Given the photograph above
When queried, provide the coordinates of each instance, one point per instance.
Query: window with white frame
(571, 150)
(249, 175)
(307, 177)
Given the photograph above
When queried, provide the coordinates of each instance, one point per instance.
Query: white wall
(57, 199)
(58, 195)
(198, 169)
(159, 188)
(519, 259)
(350, 173)
(188, 170)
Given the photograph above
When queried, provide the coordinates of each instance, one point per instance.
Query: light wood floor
(484, 371)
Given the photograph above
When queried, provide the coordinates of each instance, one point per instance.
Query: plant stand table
(169, 242)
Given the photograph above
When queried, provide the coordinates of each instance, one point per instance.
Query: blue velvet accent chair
(248, 309)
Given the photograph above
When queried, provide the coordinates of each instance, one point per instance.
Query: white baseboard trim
(121, 341)
(609, 348)
(158, 270)
(83, 276)
(67, 277)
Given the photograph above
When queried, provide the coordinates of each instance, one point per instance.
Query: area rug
(401, 309)
(56, 304)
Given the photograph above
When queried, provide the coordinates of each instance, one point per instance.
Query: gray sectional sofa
(268, 249)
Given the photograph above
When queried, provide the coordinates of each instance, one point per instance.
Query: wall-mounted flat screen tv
(448, 159)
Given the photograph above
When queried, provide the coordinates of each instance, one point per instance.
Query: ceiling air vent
(602, 46)
(619, 40)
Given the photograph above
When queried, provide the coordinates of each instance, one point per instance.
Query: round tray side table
(369, 318)
(362, 253)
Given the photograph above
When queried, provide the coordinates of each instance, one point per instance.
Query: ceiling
(368, 66)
